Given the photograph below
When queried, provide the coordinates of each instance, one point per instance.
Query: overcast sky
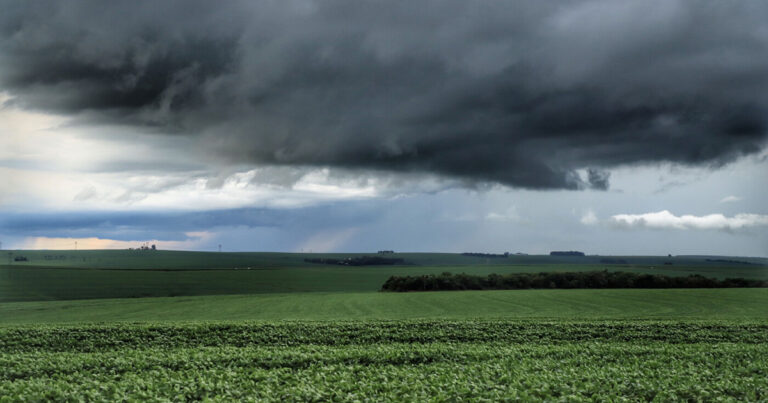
(611, 127)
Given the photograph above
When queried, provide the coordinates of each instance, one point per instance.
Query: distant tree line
(731, 261)
(566, 253)
(358, 261)
(591, 279)
(473, 254)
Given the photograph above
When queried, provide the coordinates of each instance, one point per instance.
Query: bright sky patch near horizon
(612, 127)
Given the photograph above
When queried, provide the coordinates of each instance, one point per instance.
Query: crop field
(180, 326)
(67, 275)
(32, 283)
(411, 360)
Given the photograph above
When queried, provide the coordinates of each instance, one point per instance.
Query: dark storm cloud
(522, 93)
(598, 179)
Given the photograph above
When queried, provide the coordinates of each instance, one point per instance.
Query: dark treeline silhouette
(566, 253)
(731, 261)
(473, 254)
(357, 261)
(591, 279)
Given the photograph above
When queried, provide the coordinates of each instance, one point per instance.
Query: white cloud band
(666, 220)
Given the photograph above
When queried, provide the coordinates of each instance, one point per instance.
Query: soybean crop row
(398, 360)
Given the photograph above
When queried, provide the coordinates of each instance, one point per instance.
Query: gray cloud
(523, 94)
(598, 179)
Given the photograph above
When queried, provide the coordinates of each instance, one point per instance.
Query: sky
(611, 127)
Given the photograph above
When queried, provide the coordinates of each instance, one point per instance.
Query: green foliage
(94, 338)
(388, 361)
(567, 280)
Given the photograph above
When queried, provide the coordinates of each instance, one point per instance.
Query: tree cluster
(145, 247)
(593, 279)
(474, 254)
(566, 253)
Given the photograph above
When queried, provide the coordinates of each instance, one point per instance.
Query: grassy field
(722, 304)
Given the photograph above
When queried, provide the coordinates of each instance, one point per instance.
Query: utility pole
(75, 245)
(219, 248)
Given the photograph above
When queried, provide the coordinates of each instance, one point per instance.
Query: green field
(414, 361)
(132, 274)
(732, 304)
(179, 326)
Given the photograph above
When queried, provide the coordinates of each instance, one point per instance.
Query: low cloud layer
(527, 94)
(666, 220)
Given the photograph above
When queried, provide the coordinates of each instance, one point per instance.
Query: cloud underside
(666, 220)
(524, 94)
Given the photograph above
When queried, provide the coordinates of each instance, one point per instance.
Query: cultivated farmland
(422, 360)
(272, 327)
